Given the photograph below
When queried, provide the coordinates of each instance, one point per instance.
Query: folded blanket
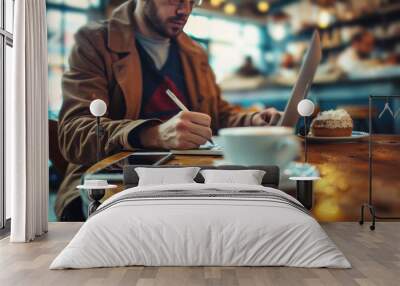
(205, 194)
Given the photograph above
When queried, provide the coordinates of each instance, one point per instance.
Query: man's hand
(186, 130)
(269, 117)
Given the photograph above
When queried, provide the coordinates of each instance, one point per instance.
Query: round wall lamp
(98, 108)
(305, 108)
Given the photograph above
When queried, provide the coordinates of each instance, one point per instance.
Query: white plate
(356, 135)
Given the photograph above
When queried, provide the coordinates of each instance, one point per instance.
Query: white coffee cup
(272, 145)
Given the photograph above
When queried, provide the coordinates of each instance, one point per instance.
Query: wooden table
(344, 176)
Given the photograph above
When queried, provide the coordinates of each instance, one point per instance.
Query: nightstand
(96, 190)
(304, 191)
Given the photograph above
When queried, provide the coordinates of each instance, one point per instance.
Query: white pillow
(248, 177)
(166, 176)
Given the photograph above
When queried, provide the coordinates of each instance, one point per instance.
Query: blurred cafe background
(256, 49)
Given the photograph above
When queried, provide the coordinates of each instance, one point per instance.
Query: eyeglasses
(182, 2)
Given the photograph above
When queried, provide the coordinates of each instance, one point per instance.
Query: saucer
(355, 136)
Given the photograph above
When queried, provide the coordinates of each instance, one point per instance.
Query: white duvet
(188, 231)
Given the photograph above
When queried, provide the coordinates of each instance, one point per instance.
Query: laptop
(303, 83)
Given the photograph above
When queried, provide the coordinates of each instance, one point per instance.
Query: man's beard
(153, 20)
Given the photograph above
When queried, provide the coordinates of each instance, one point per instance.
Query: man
(129, 61)
(248, 69)
(356, 59)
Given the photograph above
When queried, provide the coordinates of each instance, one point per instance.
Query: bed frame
(270, 179)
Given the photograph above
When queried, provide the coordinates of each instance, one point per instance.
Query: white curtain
(27, 124)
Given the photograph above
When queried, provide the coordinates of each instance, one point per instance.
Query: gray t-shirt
(157, 49)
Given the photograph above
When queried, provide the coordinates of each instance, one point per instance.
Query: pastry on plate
(332, 123)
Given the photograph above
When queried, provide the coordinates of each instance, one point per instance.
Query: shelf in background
(382, 43)
(383, 15)
(269, 83)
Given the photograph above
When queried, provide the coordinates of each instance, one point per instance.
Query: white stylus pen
(176, 100)
(180, 104)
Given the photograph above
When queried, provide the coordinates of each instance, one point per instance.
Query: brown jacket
(105, 64)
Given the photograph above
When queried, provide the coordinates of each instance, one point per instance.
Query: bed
(198, 224)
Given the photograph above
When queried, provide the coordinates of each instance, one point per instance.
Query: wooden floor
(375, 256)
